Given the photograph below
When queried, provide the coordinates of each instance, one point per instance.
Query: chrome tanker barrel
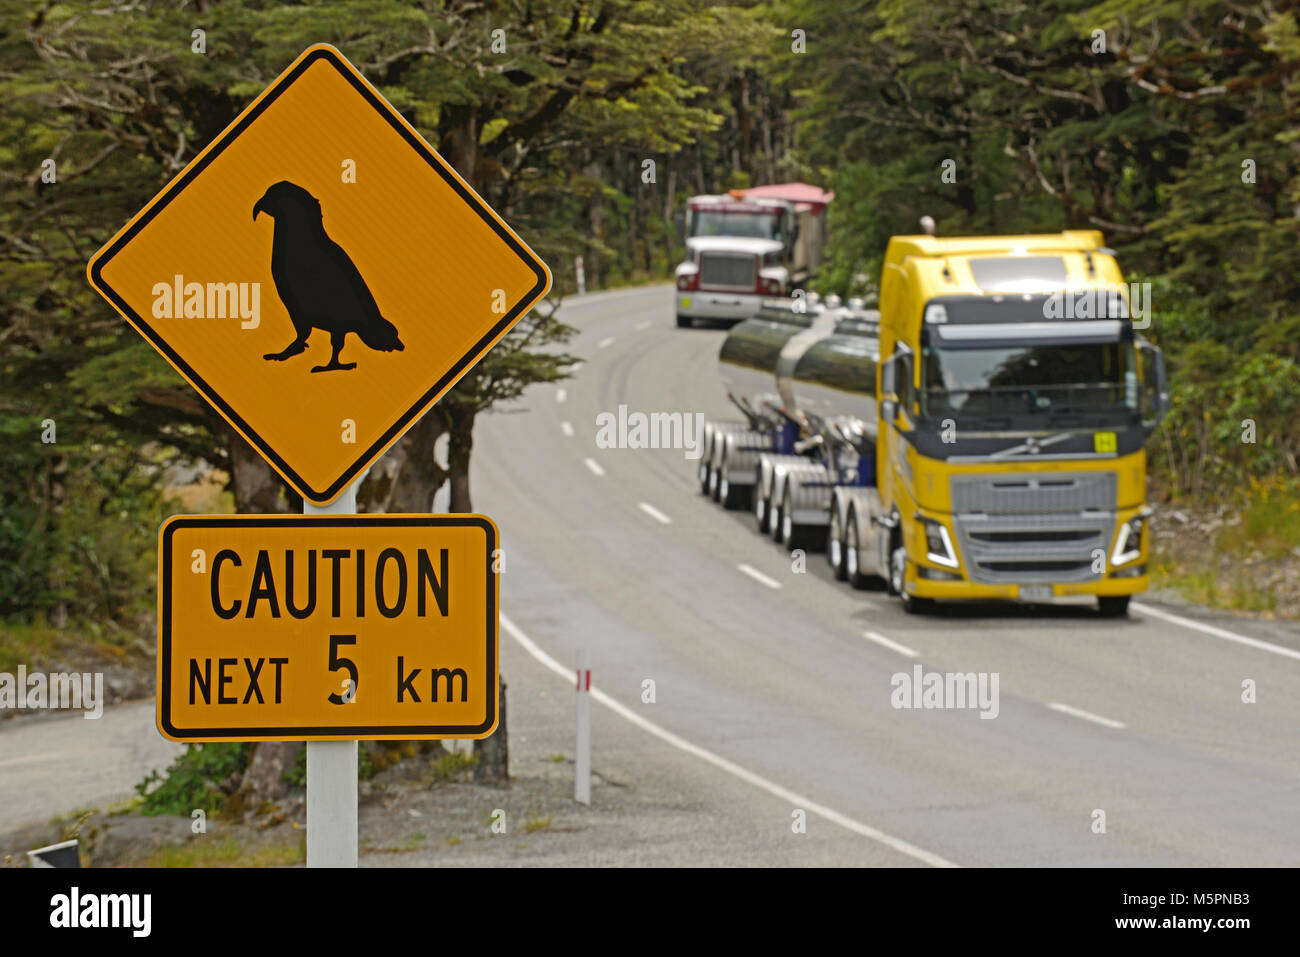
(748, 358)
(834, 378)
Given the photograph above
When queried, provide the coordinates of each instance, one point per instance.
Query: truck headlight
(938, 546)
(1128, 544)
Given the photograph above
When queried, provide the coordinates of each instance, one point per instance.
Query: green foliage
(1179, 141)
(366, 766)
(194, 780)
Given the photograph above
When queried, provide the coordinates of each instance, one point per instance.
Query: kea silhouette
(318, 283)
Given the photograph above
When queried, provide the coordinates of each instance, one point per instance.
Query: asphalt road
(61, 763)
(769, 682)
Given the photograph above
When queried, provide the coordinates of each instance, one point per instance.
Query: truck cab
(748, 245)
(1015, 396)
(736, 255)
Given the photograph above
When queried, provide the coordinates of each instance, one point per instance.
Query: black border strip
(317, 521)
(439, 166)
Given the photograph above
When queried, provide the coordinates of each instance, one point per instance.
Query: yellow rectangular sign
(322, 627)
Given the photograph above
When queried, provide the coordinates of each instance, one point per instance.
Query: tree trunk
(419, 476)
(264, 781)
(493, 752)
(461, 443)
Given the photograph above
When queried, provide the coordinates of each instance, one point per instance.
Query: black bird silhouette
(317, 282)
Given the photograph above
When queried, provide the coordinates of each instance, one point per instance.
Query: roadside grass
(40, 646)
(1270, 521)
(25, 645)
(1227, 573)
(450, 766)
(230, 852)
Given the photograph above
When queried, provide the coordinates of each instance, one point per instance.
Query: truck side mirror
(1155, 384)
(888, 387)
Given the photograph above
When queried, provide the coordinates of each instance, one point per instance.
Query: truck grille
(1037, 492)
(1027, 529)
(727, 270)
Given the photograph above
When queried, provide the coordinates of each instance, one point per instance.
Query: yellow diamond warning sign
(320, 274)
(274, 627)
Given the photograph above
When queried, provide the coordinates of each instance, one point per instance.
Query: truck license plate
(1035, 592)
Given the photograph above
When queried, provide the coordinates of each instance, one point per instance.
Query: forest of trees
(1170, 126)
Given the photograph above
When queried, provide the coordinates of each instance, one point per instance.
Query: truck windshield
(1054, 384)
(707, 222)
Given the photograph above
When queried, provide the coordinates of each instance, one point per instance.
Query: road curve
(785, 675)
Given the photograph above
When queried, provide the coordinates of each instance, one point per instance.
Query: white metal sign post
(332, 765)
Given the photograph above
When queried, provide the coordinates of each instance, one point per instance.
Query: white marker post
(332, 765)
(582, 276)
(582, 778)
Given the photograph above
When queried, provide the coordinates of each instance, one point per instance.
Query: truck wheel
(760, 505)
(713, 483)
(1113, 606)
(852, 568)
(794, 535)
(835, 547)
(897, 584)
(731, 496)
(684, 322)
(775, 516)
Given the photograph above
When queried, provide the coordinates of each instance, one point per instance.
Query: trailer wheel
(713, 483)
(794, 535)
(835, 547)
(775, 515)
(760, 506)
(731, 496)
(1113, 606)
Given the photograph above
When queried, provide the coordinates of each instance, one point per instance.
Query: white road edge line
(749, 777)
(888, 643)
(758, 576)
(1085, 715)
(643, 325)
(607, 341)
(594, 466)
(561, 395)
(1218, 632)
(567, 429)
(654, 513)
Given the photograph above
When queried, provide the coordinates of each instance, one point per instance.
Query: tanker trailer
(805, 383)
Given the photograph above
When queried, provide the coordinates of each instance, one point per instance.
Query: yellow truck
(978, 436)
(1015, 398)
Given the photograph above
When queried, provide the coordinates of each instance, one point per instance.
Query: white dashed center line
(1085, 715)
(566, 428)
(609, 341)
(594, 466)
(654, 513)
(758, 576)
(889, 643)
(561, 395)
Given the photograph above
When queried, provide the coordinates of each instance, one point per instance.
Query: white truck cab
(727, 277)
